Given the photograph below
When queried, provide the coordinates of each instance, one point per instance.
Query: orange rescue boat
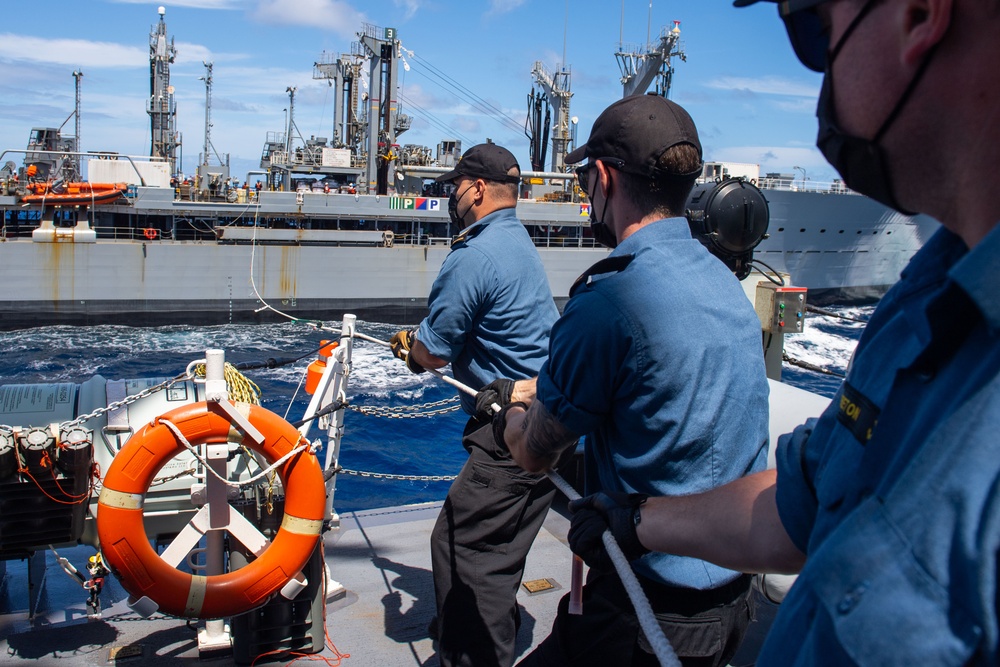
(74, 194)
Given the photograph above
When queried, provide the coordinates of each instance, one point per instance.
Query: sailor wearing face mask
(490, 315)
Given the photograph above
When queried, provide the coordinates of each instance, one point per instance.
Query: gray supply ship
(355, 223)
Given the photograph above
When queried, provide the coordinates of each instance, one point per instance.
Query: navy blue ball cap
(636, 131)
(489, 162)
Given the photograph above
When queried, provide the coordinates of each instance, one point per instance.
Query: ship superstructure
(355, 224)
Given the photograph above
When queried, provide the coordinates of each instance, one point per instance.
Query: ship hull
(174, 282)
(326, 257)
(843, 247)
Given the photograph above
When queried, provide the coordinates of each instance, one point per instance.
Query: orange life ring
(143, 572)
(150, 233)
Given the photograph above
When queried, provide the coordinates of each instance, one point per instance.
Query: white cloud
(768, 85)
(805, 104)
(335, 15)
(72, 52)
(410, 7)
(196, 4)
(776, 158)
(504, 6)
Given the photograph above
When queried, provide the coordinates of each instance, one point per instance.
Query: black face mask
(861, 162)
(600, 229)
(456, 219)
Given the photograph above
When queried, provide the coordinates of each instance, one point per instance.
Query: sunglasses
(583, 171)
(809, 37)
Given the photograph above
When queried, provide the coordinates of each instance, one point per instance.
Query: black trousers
(705, 628)
(479, 544)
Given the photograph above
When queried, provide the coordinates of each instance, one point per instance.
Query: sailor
(887, 505)
(490, 315)
(657, 360)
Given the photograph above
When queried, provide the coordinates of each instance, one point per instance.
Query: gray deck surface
(381, 559)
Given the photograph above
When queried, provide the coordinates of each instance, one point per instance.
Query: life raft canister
(140, 569)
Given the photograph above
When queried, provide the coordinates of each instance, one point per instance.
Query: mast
(291, 118)
(161, 108)
(76, 159)
(208, 111)
(77, 75)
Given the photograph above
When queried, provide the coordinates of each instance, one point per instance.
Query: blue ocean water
(422, 447)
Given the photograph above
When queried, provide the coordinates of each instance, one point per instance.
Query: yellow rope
(240, 387)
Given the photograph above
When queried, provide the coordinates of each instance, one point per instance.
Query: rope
(809, 367)
(194, 452)
(240, 387)
(654, 633)
(647, 620)
(830, 313)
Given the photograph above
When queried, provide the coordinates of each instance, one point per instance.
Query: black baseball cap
(805, 30)
(489, 162)
(636, 131)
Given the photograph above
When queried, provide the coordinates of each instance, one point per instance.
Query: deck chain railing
(409, 411)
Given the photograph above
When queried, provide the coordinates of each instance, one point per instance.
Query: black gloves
(498, 391)
(614, 511)
(500, 423)
(402, 342)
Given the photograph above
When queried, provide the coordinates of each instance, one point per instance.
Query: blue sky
(751, 99)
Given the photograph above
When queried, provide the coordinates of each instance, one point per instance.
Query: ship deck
(380, 558)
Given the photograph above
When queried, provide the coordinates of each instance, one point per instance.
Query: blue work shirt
(894, 492)
(491, 308)
(661, 366)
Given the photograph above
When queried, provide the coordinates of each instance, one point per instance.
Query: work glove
(614, 511)
(499, 392)
(500, 425)
(400, 344)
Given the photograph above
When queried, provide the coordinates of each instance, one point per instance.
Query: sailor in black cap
(490, 315)
(657, 361)
(888, 505)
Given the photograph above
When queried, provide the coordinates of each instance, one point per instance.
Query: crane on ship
(640, 67)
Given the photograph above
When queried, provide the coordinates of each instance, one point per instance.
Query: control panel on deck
(781, 309)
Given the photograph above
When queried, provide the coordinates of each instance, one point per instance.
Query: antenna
(649, 21)
(621, 26)
(565, 32)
